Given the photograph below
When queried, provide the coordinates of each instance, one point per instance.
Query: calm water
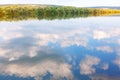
(71, 49)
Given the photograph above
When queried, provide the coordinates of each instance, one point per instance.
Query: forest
(17, 12)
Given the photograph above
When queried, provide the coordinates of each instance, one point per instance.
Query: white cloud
(105, 66)
(14, 47)
(13, 33)
(8, 32)
(106, 33)
(105, 49)
(13, 53)
(86, 65)
(57, 69)
(118, 41)
(117, 61)
(64, 39)
(97, 34)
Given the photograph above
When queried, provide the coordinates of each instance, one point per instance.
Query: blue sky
(79, 3)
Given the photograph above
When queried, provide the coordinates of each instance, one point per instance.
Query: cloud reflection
(97, 34)
(25, 50)
(117, 61)
(38, 66)
(58, 70)
(105, 66)
(105, 49)
(86, 65)
(10, 32)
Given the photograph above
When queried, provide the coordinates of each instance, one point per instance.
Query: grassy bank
(18, 12)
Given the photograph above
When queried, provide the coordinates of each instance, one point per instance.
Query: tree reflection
(17, 12)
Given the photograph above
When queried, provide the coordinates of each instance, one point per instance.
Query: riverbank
(27, 11)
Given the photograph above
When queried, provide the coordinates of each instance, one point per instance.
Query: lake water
(70, 49)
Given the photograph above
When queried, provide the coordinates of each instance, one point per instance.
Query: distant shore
(38, 11)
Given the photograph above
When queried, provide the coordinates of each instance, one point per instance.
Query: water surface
(71, 49)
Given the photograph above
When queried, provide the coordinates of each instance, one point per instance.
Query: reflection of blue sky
(37, 66)
(75, 47)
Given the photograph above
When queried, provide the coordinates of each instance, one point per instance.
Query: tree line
(16, 12)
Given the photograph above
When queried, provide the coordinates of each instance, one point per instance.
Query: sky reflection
(61, 49)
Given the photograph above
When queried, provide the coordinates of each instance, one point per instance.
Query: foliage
(17, 12)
